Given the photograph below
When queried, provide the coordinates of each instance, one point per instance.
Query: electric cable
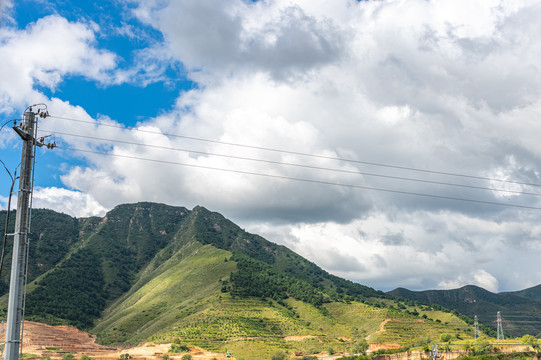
(7, 122)
(306, 180)
(294, 164)
(8, 212)
(95, 123)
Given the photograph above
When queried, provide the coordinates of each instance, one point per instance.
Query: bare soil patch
(383, 346)
(298, 337)
(45, 340)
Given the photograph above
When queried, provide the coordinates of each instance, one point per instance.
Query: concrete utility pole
(13, 344)
(27, 131)
(20, 241)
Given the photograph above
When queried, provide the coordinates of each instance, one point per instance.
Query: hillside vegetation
(150, 271)
(520, 310)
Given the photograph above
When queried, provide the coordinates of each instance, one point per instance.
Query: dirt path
(382, 346)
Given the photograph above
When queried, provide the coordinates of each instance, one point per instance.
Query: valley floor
(42, 340)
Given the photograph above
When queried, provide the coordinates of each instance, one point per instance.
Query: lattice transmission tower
(476, 330)
(499, 326)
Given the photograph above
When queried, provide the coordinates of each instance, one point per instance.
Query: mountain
(155, 272)
(533, 293)
(519, 310)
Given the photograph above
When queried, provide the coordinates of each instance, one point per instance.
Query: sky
(394, 143)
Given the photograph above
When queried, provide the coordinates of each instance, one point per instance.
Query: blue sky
(264, 110)
(145, 101)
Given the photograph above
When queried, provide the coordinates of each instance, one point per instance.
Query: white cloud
(6, 7)
(44, 53)
(3, 202)
(419, 250)
(479, 278)
(284, 39)
(74, 203)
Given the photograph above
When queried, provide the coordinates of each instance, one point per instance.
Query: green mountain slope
(533, 293)
(519, 310)
(152, 271)
(184, 285)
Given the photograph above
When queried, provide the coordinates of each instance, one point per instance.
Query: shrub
(529, 340)
(360, 347)
(482, 346)
(280, 355)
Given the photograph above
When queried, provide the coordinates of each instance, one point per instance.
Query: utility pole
(476, 330)
(27, 131)
(20, 241)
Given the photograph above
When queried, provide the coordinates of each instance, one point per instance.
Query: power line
(294, 164)
(96, 123)
(306, 180)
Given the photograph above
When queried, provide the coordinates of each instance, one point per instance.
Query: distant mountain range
(520, 310)
(150, 271)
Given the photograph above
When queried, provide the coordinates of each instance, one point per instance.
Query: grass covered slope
(185, 284)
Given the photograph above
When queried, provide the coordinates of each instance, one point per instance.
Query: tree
(445, 337)
(482, 346)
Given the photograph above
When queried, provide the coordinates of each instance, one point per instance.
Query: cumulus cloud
(479, 278)
(67, 201)
(419, 250)
(406, 94)
(283, 39)
(43, 54)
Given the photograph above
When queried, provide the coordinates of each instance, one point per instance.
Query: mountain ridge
(148, 271)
